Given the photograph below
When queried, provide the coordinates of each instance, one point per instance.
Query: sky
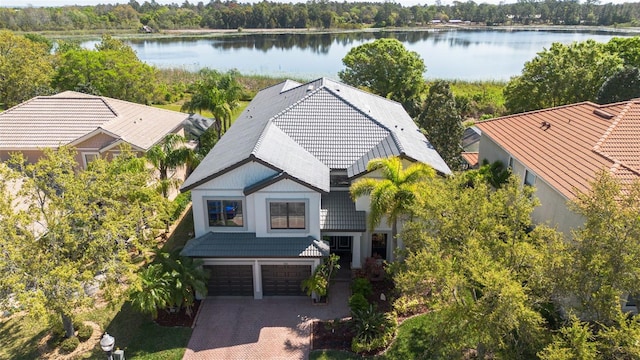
(38, 3)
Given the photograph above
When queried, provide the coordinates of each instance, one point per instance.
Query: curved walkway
(271, 328)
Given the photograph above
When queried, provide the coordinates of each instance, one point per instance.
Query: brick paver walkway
(271, 328)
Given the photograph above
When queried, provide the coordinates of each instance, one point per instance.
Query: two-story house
(271, 199)
(561, 150)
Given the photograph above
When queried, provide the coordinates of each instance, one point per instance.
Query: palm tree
(186, 279)
(167, 155)
(217, 93)
(393, 195)
(152, 290)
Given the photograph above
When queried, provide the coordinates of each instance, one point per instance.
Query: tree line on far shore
(313, 14)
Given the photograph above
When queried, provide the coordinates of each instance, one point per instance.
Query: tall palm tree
(392, 195)
(167, 155)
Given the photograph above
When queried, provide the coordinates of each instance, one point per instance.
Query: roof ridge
(611, 127)
(368, 116)
(540, 111)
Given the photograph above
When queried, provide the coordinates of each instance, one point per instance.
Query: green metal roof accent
(248, 245)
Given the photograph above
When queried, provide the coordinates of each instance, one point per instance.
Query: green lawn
(136, 333)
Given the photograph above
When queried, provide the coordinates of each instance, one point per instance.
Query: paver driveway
(272, 328)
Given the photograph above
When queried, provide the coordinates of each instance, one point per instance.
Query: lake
(449, 54)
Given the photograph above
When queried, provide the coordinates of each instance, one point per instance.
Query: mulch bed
(327, 336)
(180, 318)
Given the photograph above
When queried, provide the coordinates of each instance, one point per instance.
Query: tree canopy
(561, 75)
(621, 86)
(385, 67)
(25, 68)
(112, 70)
(319, 14)
(442, 123)
(69, 230)
(486, 274)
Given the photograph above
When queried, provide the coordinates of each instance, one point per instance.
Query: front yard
(141, 338)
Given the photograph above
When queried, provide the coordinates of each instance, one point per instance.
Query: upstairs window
(225, 213)
(287, 215)
(529, 178)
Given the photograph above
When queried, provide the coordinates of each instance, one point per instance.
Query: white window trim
(224, 198)
(84, 157)
(306, 215)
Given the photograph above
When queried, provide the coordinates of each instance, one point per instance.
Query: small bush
(374, 330)
(358, 303)
(405, 305)
(84, 332)
(69, 344)
(362, 286)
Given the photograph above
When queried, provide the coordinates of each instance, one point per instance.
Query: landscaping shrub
(69, 344)
(374, 330)
(357, 303)
(179, 204)
(362, 286)
(84, 332)
(406, 305)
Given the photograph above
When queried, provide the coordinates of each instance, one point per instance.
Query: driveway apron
(271, 328)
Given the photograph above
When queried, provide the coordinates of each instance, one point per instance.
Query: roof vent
(545, 125)
(603, 114)
(309, 88)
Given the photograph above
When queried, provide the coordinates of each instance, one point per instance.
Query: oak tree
(69, 230)
(385, 67)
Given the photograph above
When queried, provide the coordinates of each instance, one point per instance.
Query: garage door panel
(230, 280)
(284, 280)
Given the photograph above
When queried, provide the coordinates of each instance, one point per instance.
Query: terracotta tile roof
(567, 146)
(471, 158)
(49, 121)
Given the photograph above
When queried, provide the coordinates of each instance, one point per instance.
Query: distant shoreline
(213, 33)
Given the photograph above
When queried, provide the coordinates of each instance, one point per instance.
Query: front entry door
(379, 245)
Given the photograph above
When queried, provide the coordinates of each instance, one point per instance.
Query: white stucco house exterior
(271, 199)
(561, 150)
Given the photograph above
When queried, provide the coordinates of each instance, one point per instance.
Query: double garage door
(237, 280)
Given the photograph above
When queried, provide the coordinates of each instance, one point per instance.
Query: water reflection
(448, 54)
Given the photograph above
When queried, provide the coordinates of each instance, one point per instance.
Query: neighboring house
(471, 139)
(561, 150)
(277, 184)
(470, 160)
(94, 125)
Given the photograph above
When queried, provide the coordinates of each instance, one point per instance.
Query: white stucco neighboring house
(271, 199)
(561, 150)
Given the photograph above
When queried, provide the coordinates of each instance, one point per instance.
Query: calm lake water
(448, 54)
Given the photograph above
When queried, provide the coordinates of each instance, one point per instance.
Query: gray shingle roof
(242, 245)
(51, 121)
(307, 129)
(338, 213)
